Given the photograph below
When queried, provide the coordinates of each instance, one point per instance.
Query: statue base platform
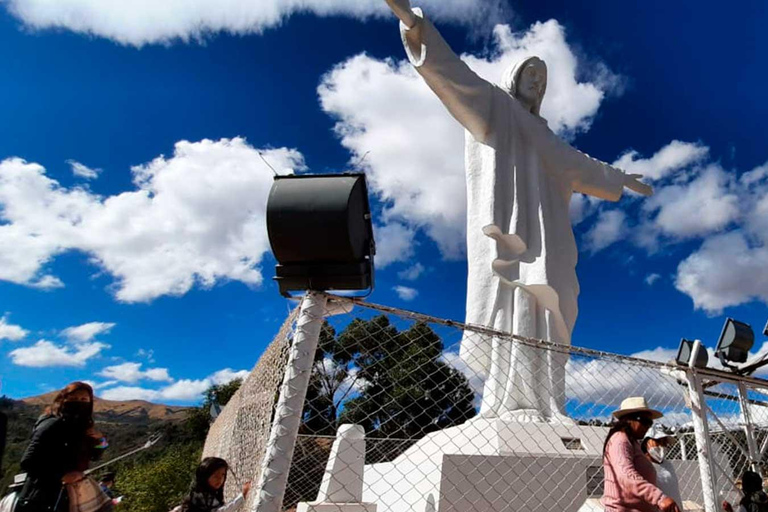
(488, 464)
(493, 465)
(336, 507)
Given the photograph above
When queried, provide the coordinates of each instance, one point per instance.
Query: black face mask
(79, 412)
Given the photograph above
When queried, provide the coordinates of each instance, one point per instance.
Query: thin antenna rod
(265, 161)
(362, 158)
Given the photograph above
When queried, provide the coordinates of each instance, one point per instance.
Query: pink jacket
(630, 480)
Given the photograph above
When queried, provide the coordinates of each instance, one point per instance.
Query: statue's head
(527, 81)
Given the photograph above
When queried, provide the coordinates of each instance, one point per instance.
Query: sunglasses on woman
(644, 420)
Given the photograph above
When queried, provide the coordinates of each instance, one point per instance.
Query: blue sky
(155, 255)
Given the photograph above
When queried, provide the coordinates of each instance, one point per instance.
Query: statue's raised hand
(402, 9)
(632, 182)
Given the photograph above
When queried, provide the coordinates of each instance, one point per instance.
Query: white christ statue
(521, 250)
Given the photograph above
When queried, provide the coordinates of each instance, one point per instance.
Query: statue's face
(532, 83)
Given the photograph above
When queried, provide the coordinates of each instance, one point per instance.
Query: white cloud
(702, 206)
(10, 331)
(405, 293)
(87, 332)
(650, 279)
(149, 354)
(394, 242)
(197, 217)
(142, 22)
(184, 390)
(416, 159)
(601, 385)
(228, 375)
(121, 393)
(45, 354)
(609, 228)
(132, 372)
(727, 270)
(411, 273)
(660, 354)
(476, 380)
(83, 171)
(674, 156)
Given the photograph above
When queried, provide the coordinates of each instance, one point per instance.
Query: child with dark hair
(207, 492)
(755, 499)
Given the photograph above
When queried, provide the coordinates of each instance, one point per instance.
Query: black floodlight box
(735, 341)
(320, 231)
(686, 350)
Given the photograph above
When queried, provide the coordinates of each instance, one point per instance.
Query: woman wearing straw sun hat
(630, 479)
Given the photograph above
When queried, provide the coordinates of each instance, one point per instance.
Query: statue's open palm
(632, 182)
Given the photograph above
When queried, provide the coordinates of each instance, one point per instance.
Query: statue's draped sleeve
(466, 96)
(589, 175)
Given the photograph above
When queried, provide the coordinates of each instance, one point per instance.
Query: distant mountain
(112, 411)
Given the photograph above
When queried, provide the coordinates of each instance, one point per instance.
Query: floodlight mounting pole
(290, 404)
(701, 432)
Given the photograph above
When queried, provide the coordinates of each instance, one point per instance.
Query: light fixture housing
(320, 231)
(735, 342)
(685, 351)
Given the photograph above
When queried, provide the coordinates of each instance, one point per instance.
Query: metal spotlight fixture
(686, 350)
(320, 231)
(735, 342)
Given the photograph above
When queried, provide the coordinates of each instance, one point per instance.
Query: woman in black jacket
(63, 443)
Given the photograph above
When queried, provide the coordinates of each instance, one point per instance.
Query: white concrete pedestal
(342, 487)
(490, 465)
(485, 461)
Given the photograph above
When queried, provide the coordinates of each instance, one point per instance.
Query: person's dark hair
(58, 402)
(108, 477)
(621, 425)
(201, 496)
(644, 445)
(751, 482)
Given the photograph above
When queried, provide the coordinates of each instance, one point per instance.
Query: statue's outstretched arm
(402, 9)
(466, 96)
(596, 178)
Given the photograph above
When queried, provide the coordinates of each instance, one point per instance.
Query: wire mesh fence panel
(464, 418)
(239, 434)
(512, 423)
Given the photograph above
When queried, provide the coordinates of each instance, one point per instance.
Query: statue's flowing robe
(520, 177)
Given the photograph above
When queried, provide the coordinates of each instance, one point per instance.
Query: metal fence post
(285, 425)
(701, 431)
(748, 428)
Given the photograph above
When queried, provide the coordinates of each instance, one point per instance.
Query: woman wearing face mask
(63, 444)
(656, 445)
(630, 479)
(207, 493)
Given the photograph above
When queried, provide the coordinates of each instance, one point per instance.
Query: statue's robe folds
(520, 246)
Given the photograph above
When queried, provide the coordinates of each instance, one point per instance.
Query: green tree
(199, 419)
(393, 383)
(159, 484)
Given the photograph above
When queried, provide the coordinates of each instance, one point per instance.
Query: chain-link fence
(239, 434)
(455, 417)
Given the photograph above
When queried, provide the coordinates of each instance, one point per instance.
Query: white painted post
(285, 426)
(754, 456)
(701, 431)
